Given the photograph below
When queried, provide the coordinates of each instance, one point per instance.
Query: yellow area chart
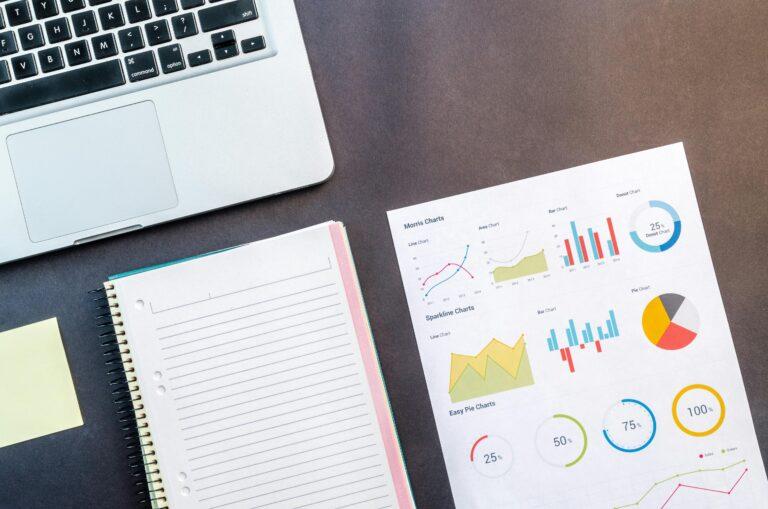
(496, 368)
(528, 266)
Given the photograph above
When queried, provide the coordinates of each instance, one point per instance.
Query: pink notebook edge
(372, 366)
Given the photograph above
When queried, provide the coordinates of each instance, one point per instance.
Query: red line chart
(456, 269)
(682, 486)
(449, 264)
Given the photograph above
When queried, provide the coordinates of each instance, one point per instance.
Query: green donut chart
(561, 440)
(662, 233)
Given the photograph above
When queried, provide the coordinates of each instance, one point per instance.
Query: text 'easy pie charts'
(670, 321)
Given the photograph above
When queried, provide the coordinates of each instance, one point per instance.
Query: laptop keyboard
(53, 51)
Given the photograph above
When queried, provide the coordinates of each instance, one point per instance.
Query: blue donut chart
(677, 227)
(647, 442)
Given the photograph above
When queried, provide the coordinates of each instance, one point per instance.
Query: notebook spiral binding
(141, 457)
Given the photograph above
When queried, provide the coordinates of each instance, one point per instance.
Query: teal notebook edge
(168, 264)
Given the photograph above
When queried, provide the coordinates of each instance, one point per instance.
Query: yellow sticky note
(36, 393)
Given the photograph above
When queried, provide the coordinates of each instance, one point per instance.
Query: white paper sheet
(549, 415)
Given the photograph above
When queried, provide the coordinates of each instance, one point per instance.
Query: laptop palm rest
(92, 171)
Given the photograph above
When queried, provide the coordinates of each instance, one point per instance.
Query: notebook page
(253, 379)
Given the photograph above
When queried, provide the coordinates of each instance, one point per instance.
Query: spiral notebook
(247, 378)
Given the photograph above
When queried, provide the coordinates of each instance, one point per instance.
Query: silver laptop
(120, 114)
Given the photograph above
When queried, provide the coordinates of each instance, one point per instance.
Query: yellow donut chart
(689, 431)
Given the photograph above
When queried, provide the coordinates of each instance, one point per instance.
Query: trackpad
(92, 171)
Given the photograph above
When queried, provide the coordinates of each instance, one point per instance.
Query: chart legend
(587, 335)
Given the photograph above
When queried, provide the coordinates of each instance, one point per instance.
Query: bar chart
(585, 336)
(585, 247)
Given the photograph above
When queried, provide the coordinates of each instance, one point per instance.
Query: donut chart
(629, 425)
(491, 456)
(698, 410)
(561, 440)
(657, 226)
(670, 321)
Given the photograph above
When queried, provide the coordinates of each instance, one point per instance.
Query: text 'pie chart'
(670, 321)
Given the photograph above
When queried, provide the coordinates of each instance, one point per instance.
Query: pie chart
(670, 321)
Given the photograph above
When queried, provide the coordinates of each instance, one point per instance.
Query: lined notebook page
(256, 384)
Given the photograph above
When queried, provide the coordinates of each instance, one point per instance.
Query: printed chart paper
(575, 344)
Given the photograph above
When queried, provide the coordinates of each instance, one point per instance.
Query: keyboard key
(199, 58)
(97, 2)
(253, 44)
(111, 16)
(57, 30)
(31, 36)
(171, 58)
(223, 38)
(77, 53)
(18, 13)
(225, 51)
(84, 23)
(163, 7)
(50, 59)
(45, 8)
(137, 10)
(57, 87)
(5, 73)
(131, 39)
(157, 32)
(184, 25)
(189, 4)
(72, 5)
(141, 66)
(104, 46)
(24, 66)
(8, 44)
(228, 14)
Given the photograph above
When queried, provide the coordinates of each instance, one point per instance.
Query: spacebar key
(228, 14)
(57, 87)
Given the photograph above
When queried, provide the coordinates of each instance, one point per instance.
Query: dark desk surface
(424, 100)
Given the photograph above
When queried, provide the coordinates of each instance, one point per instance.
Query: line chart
(680, 486)
(525, 239)
(702, 488)
(457, 267)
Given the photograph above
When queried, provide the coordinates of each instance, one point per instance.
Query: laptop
(120, 114)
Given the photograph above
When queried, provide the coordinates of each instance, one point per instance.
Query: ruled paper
(253, 381)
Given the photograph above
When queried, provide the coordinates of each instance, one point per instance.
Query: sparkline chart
(587, 335)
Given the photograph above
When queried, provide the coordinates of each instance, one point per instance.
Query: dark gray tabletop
(425, 99)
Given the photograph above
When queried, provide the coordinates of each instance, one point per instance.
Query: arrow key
(199, 58)
(224, 51)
